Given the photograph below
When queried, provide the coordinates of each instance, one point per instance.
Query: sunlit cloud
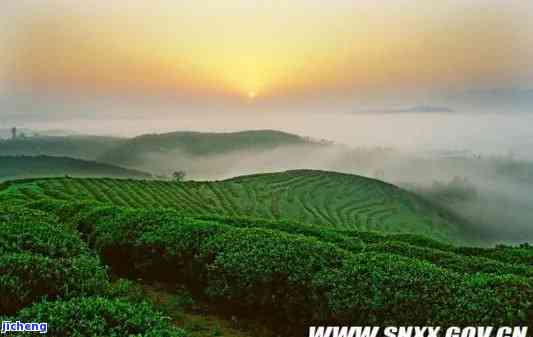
(266, 52)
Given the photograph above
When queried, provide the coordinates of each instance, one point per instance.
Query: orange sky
(269, 50)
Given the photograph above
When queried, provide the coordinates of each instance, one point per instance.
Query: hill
(46, 166)
(6, 133)
(313, 197)
(95, 269)
(80, 147)
(201, 154)
(134, 151)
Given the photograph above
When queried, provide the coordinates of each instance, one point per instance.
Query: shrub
(451, 261)
(299, 279)
(43, 259)
(17, 213)
(126, 290)
(517, 255)
(96, 316)
(40, 238)
(384, 289)
(272, 270)
(27, 277)
(338, 237)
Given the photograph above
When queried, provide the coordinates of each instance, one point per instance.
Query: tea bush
(300, 279)
(301, 276)
(26, 278)
(97, 316)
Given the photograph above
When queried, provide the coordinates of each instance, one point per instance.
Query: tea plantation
(275, 248)
(314, 197)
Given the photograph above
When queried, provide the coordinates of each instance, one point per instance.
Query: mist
(499, 209)
(130, 68)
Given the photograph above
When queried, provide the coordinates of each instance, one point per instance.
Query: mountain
(46, 166)
(80, 147)
(415, 109)
(144, 150)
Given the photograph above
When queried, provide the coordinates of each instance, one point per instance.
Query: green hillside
(45, 166)
(94, 269)
(314, 197)
(82, 147)
(198, 153)
(135, 150)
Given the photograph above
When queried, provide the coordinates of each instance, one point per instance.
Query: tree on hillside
(179, 175)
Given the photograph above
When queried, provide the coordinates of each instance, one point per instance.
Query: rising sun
(252, 94)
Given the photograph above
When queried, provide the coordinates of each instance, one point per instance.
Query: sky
(82, 63)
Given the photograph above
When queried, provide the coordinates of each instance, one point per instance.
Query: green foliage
(96, 316)
(517, 255)
(296, 273)
(345, 239)
(326, 199)
(40, 238)
(175, 304)
(126, 290)
(300, 279)
(273, 270)
(27, 277)
(41, 258)
(451, 261)
(385, 289)
(45, 166)
(11, 212)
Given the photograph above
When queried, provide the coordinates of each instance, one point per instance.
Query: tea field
(313, 197)
(260, 255)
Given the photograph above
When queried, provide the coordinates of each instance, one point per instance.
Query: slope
(82, 147)
(45, 166)
(314, 197)
(135, 150)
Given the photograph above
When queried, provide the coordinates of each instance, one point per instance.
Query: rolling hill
(79, 147)
(203, 155)
(97, 256)
(45, 166)
(133, 152)
(314, 197)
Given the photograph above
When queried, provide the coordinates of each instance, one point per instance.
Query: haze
(327, 71)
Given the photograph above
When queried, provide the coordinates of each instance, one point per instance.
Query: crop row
(340, 201)
(48, 274)
(301, 275)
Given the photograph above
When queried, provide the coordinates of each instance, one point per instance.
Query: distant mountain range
(414, 109)
(156, 153)
(80, 147)
(198, 144)
(6, 133)
(16, 167)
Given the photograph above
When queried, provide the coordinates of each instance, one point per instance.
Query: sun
(252, 95)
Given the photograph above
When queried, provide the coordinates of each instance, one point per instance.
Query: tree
(179, 175)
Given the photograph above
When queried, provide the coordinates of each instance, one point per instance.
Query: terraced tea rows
(60, 257)
(299, 275)
(316, 197)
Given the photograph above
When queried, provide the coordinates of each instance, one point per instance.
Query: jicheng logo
(19, 326)
(416, 331)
